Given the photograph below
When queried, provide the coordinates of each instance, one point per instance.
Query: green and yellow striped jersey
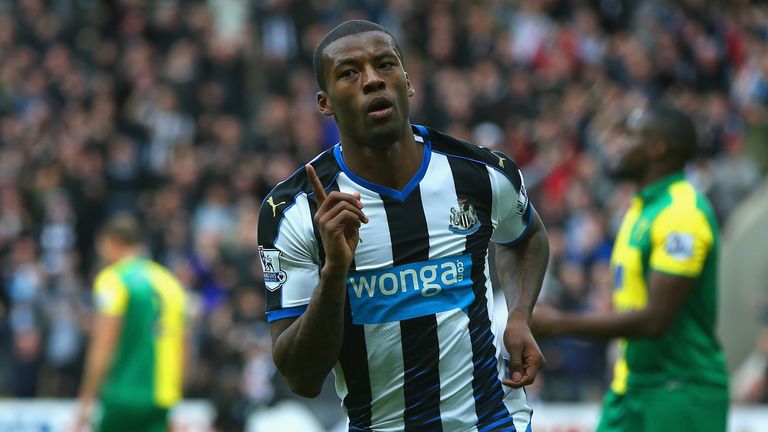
(147, 366)
(669, 228)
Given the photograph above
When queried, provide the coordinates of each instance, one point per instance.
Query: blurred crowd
(186, 113)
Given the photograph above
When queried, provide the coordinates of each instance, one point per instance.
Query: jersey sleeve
(681, 239)
(110, 294)
(289, 255)
(512, 211)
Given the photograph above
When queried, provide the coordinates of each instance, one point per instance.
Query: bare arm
(667, 294)
(306, 348)
(187, 358)
(106, 332)
(521, 269)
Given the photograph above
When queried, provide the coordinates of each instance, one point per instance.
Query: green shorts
(682, 408)
(125, 418)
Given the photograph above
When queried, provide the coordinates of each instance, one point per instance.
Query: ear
(324, 104)
(658, 150)
(411, 91)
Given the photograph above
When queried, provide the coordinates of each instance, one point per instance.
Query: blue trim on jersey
(525, 230)
(410, 290)
(385, 190)
(290, 312)
(422, 131)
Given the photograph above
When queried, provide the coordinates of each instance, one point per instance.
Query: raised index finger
(317, 186)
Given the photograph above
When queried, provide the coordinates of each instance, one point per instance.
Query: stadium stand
(187, 112)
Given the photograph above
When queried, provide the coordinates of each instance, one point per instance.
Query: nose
(372, 81)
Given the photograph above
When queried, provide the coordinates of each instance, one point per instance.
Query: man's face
(367, 89)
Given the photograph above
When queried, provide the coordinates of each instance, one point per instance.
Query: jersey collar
(422, 135)
(651, 191)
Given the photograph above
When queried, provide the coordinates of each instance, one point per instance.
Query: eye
(347, 73)
(387, 65)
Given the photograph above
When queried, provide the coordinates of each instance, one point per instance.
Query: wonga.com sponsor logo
(410, 290)
(427, 280)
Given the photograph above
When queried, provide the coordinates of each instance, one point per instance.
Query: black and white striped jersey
(421, 349)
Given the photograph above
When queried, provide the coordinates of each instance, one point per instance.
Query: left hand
(82, 420)
(525, 357)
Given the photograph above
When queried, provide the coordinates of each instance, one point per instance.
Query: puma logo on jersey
(274, 206)
(501, 161)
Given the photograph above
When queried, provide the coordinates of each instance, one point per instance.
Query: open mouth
(379, 108)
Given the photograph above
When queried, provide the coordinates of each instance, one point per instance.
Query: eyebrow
(351, 61)
(344, 62)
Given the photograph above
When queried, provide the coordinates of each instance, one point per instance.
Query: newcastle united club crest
(274, 277)
(463, 219)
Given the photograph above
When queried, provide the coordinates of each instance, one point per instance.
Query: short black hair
(122, 227)
(674, 128)
(345, 29)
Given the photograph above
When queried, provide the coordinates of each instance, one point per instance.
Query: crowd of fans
(186, 113)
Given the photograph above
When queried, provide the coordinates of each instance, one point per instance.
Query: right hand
(339, 216)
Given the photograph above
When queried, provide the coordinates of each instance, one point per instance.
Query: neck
(125, 253)
(392, 166)
(657, 172)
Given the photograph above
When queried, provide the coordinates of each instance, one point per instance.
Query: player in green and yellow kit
(671, 372)
(136, 354)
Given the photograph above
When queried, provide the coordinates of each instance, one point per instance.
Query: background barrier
(291, 416)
